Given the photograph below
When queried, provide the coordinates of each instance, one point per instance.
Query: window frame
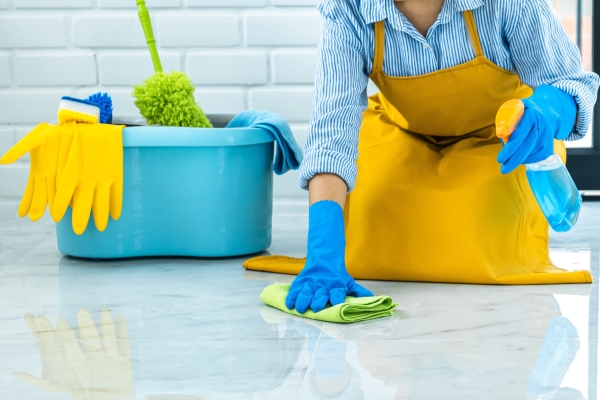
(584, 163)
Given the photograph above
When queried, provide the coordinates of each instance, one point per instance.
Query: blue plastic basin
(187, 192)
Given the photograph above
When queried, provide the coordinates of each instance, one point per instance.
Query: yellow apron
(430, 203)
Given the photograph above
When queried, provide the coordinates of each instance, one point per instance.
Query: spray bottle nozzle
(508, 118)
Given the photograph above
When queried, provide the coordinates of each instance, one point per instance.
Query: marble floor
(196, 329)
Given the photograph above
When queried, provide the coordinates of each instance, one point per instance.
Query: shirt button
(425, 45)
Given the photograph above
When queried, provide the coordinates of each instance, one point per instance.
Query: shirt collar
(379, 10)
(464, 5)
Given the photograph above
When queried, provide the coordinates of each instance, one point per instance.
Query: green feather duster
(168, 99)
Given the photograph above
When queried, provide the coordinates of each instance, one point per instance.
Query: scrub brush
(103, 101)
(166, 98)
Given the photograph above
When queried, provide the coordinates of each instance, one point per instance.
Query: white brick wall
(55, 69)
(52, 3)
(227, 68)
(294, 66)
(138, 66)
(197, 29)
(17, 30)
(4, 70)
(283, 29)
(240, 54)
(115, 30)
(131, 4)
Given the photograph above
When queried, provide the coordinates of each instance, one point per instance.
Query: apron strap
(473, 33)
(379, 47)
(380, 40)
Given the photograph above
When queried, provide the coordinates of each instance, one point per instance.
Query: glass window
(576, 17)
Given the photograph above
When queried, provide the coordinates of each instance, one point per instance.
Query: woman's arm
(340, 99)
(328, 187)
(543, 54)
(329, 166)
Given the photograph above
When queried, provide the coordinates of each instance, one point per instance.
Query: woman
(428, 200)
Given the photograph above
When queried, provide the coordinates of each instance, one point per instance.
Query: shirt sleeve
(340, 99)
(542, 53)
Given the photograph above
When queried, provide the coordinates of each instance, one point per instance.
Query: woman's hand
(549, 114)
(324, 278)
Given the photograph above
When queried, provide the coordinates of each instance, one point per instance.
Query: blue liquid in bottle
(555, 192)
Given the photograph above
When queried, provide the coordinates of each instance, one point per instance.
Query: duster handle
(147, 27)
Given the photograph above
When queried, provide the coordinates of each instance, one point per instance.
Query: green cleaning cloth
(353, 310)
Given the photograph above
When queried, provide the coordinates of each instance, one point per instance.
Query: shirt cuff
(585, 105)
(327, 162)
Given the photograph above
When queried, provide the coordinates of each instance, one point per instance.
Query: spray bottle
(549, 179)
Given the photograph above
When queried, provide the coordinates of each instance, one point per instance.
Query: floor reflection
(95, 365)
(185, 337)
(480, 365)
(539, 352)
(571, 259)
(446, 341)
(561, 344)
(331, 376)
(189, 329)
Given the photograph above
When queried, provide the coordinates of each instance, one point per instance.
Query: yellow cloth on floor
(430, 203)
(276, 264)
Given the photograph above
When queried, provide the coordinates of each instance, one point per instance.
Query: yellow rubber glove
(66, 115)
(68, 119)
(67, 133)
(92, 177)
(44, 145)
(49, 147)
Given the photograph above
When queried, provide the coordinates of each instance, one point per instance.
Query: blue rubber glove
(324, 277)
(549, 114)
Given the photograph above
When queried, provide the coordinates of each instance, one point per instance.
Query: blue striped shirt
(522, 36)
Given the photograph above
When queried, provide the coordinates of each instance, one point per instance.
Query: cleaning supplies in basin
(166, 98)
(352, 310)
(289, 153)
(92, 177)
(49, 146)
(549, 179)
(187, 192)
(72, 109)
(104, 102)
(43, 143)
(78, 162)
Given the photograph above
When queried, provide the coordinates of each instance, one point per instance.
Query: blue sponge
(103, 101)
